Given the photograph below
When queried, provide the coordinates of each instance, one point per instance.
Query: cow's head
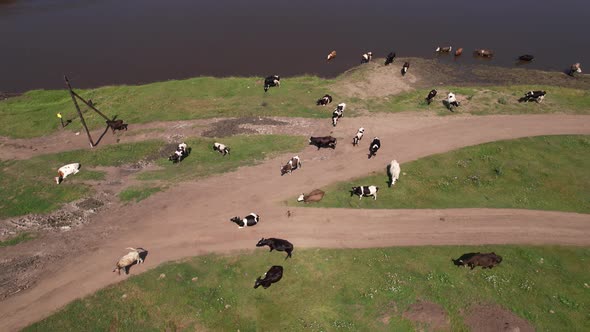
(262, 242)
(354, 190)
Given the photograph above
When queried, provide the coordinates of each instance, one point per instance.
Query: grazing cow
(444, 49)
(182, 151)
(250, 220)
(274, 274)
(405, 68)
(325, 100)
(323, 142)
(358, 136)
(484, 53)
(526, 57)
(486, 260)
(575, 68)
(390, 58)
(116, 125)
(135, 256)
(331, 56)
(336, 115)
(341, 107)
(271, 81)
(221, 148)
(374, 147)
(536, 95)
(366, 191)
(452, 101)
(315, 196)
(294, 163)
(431, 96)
(66, 170)
(459, 51)
(367, 57)
(393, 171)
(277, 244)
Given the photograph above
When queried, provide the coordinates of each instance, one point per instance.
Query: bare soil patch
(492, 318)
(429, 314)
(17, 274)
(231, 127)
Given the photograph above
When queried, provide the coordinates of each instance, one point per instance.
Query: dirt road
(193, 218)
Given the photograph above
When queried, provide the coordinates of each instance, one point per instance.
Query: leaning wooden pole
(90, 105)
(73, 95)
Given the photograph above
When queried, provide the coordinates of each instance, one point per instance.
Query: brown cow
(314, 196)
(485, 260)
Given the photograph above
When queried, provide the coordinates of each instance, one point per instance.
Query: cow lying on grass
(66, 170)
(249, 220)
(325, 100)
(536, 96)
(135, 256)
(221, 148)
(274, 274)
(293, 164)
(473, 259)
(277, 244)
(366, 191)
(314, 196)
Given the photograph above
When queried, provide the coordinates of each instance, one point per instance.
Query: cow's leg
(271, 249)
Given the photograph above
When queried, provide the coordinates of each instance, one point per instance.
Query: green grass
(329, 290)
(34, 113)
(137, 193)
(488, 100)
(544, 173)
(19, 238)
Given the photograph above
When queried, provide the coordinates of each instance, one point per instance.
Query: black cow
(526, 57)
(390, 58)
(116, 125)
(431, 96)
(536, 95)
(325, 100)
(365, 191)
(374, 147)
(274, 274)
(405, 68)
(486, 260)
(323, 142)
(271, 81)
(276, 244)
(250, 220)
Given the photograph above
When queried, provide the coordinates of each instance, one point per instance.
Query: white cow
(393, 171)
(66, 170)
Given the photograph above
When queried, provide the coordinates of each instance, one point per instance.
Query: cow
(341, 107)
(485, 260)
(405, 68)
(390, 58)
(452, 101)
(459, 51)
(336, 115)
(444, 49)
(366, 191)
(325, 100)
(430, 96)
(331, 56)
(135, 256)
(366, 57)
(575, 68)
(116, 125)
(323, 142)
(294, 163)
(182, 151)
(393, 171)
(359, 135)
(221, 148)
(315, 195)
(526, 57)
(277, 244)
(271, 81)
(484, 53)
(66, 170)
(536, 95)
(374, 147)
(274, 274)
(248, 221)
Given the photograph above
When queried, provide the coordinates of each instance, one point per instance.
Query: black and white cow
(182, 151)
(277, 244)
(293, 164)
(405, 68)
(444, 49)
(274, 274)
(536, 95)
(221, 148)
(323, 142)
(250, 220)
(336, 115)
(390, 58)
(341, 107)
(431, 96)
(271, 81)
(452, 101)
(366, 191)
(575, 68)
(359, 136)
(325, 100)
(374, 147)
(367, 57)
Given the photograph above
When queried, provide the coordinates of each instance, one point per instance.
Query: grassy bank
(327, 290)
(545, 173)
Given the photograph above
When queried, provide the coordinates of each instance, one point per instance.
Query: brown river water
(110, 42)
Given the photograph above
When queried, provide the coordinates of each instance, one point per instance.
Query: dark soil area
(428, 314)
(492, 318)
(231, 127)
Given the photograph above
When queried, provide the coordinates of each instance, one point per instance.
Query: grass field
(544, 173)
(138, 193)
(329, 290)
(19, 238)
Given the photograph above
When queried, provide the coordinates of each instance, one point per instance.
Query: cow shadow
(142, 254)
(447, 105)
(389, 176)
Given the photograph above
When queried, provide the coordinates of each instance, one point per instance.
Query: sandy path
(193, 218)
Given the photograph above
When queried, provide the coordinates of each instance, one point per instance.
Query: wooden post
(73, 94)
